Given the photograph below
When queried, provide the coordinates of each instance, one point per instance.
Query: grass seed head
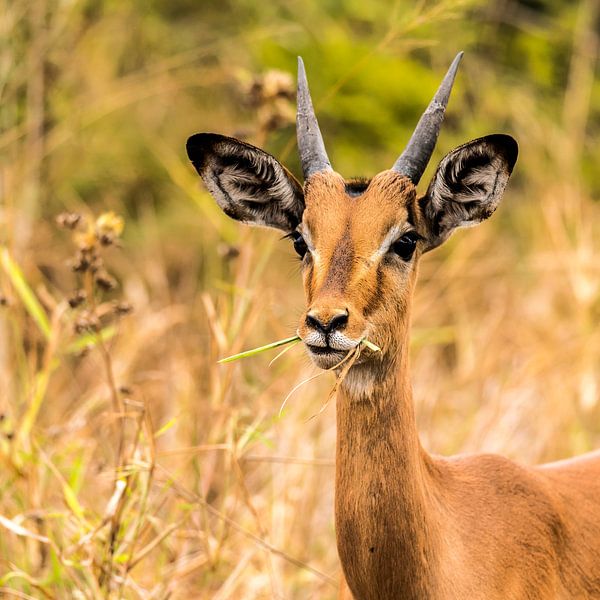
(68, 220)
(104, 280)
(108, 228)
(122, 308)
(86, 321)
(77, 298)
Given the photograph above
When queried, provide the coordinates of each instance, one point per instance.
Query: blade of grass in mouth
(291, 340)
(370, 345)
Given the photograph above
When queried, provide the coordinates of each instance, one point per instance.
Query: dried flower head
(104, 280)
(85, 259)
(122, 308)
(109, 227)
(87, 321)
(69, 220)
(77, 298)
(85, 240)
(271, 85)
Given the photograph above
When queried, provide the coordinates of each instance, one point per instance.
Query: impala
(408, 524)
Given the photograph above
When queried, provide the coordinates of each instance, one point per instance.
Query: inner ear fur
(468, 185)
(248, 184)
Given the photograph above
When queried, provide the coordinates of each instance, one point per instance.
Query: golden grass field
(132, 465)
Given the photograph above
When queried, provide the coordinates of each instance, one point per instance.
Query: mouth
(329, 351)
(326, 357)
(325, 350)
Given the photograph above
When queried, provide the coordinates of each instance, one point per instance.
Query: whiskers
(347, 361)
(350, 359)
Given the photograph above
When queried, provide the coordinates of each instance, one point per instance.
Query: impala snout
(330, 332)
(327, 321)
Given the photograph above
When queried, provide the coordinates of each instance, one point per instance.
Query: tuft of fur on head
(356, 186)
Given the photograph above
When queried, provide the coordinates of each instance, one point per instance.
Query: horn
(313, 156)
(413, 161)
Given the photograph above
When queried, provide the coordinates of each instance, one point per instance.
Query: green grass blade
(370, 345)
(291, 340)
(295, 339)
(39, 388)
(91, 339)
(32, 304)
(168, 425)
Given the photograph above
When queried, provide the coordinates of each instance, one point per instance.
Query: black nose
(327, 325)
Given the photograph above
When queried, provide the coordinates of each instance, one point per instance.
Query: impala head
(359, 241)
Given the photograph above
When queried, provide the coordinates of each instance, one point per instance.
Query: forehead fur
(388, 199)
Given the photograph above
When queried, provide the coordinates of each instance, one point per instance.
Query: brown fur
(410, 525)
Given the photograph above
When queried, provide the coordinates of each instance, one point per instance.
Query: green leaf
(32, 304)
(39, 387)
(72, 502)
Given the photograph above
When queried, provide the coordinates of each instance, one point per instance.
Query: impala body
(408, 525)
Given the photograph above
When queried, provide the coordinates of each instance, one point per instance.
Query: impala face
(359, 241)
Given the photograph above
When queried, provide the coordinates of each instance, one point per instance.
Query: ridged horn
(313, 156)
(413, 161)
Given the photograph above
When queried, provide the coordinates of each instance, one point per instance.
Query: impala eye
(405, 246)
(299, 244)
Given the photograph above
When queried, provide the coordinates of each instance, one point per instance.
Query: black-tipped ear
(247, 183)
(468, 185)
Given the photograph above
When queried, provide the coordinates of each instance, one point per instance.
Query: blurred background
(132, 465)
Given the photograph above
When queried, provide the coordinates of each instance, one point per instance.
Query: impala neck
(387, 534)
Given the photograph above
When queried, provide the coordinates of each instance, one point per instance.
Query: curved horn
(313, 156)
(414, 159)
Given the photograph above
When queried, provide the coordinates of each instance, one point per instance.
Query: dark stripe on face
(377, 294)
(310, 287)
(340, 266)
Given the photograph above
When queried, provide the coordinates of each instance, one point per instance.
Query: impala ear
(247, 183)
(468, 185)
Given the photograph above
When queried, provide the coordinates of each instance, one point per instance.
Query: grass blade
(295, 339)
(22, 531)
(370, 345)
(280, 354)
(32, 304)
(91, 339)
(291, 340)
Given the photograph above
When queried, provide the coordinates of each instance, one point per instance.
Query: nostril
(337, 321)
(313, 322)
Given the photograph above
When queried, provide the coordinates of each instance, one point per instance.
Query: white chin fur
(326, 361)
(337, 341)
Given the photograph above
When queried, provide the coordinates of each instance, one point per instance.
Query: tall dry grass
(133, 466)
